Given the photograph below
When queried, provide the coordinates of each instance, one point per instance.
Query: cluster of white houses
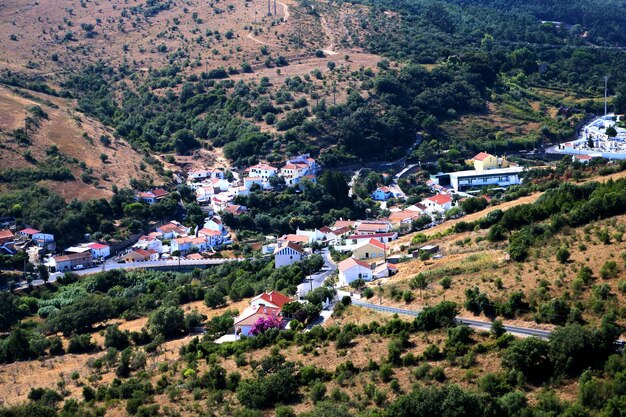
(11, 243)
(215, 191)
(174, 238)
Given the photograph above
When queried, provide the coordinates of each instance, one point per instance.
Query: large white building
(466, 180)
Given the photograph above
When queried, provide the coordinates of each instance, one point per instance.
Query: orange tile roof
(441, 199)
(351, 262)
(482, 156)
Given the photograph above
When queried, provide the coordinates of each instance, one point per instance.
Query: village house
(381, 237)
(140, 255)
(382, 194)
(340, 224)
(370, 227)
(250, 182)
(384, 270)
(99, 250)
(150, 241)
(352, 269)
(244, 324)
(439, 203)
(151, 197)
(288, 254)
(235, 209)
(28, 233)
(172, 229)
(187, 243)
(404, 218)
(313, 235)
(213, 238)
(6, 236)
(214, 223)
(273, 299)
(71, 261)
(263, 171)
(200, 174)
(301, 240)
(370, 249)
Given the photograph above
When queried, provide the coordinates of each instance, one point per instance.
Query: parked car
(79, 267)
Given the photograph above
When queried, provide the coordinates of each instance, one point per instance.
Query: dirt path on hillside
(329, 50)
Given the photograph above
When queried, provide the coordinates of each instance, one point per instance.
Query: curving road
(483, 325)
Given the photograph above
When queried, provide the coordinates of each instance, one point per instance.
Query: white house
(212, 237)
(382, 194)
(438, 204)
(245, 322)
(287, 254)
(367, 227)
(214, 223)
(153, 196)
(99, 250)
(149, 242)
(381, 237)
(352, 269)
(200, 174)
(263, 171)
(172, 229)
(313, 235)
(249, 182)
(273, 299)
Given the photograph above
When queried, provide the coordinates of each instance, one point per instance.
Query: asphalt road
(316, 280)
(111, 264)
(483, 325)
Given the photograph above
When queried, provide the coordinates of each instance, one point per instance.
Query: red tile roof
(159, 192)
(262, 311)
(97, 245)
(291, 245)
(441, 199)
(377, 243)
(351, 262)
(29, 231)
(482, 156)
(6, 234)
(275, 297)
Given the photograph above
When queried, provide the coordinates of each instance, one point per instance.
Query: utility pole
(274, 7)
(269, 7)
(334, 93)
(606, 80)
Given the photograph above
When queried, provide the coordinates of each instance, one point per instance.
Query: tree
(44, 274)
(79, 316)
(562, 255)
(115, 338)
(213, 298)
(530, 356)
(168, 321)
(610, 132)
(9, 312)
(419, 282)
(497, 328)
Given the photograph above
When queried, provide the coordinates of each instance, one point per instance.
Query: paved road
(111, 264)
(316, 280)
(483, 325)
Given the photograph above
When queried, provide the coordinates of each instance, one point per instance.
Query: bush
(80, 344)
(318, 392)
(562, 255)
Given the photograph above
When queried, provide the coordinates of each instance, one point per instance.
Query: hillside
(62, 137)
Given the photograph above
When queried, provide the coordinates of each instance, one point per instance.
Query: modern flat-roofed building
(466, 180)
